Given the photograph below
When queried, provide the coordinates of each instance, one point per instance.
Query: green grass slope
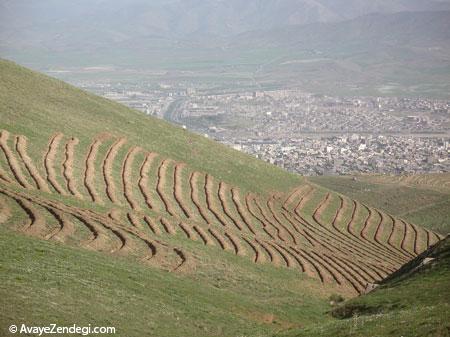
(414, 301)
(424, 204)
(45, 282)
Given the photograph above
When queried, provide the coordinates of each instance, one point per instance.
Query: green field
(44, 282)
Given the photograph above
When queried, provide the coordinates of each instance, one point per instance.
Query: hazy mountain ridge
(125, 19)
(316, 44)
(414, 28)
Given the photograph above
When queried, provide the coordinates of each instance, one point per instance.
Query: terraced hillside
(86, 172)
(139, 198)
(422, 198)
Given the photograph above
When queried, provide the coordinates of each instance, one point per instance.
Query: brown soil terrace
(274, 229)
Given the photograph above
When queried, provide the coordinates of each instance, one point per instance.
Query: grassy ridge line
(37, 106)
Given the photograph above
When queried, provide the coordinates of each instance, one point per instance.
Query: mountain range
(117, 20)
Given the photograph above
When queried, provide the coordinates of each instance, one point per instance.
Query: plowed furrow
(68, 167)
(294, 195)
(304, 199)
(355, 268)
(274, 258)
(178, 190)
(144, 179)
(422, 237)
(338, 215)
(428, 238)
(226, 207)
(95, 234)
(278, 257)
(12, 161)
(168, 227)
(378, 247)
(130, 245)
(37, 224)
(243, 213)
(366, 225)
(253, 213)
(336, 243)
(417, 251)
(345, 277)
(374, 270)
(408, 238)
(352, 219)
(102, 240)
(324, 267)
(67, 227)
(224, 244)
(152, 225)
(323, 204)
(282, 234)
(399, 228)
(55, 214)
(381, 249)
(380, 273)
(211, 202)
(390, 239)
(161, 185)
(237, 242)
(373, 273)
(127, 168)
(266, 223)
(150, 245)
(294, 260)
(310, 267)
(21, 148)
(259, 257)
(106, 235)
(49, 162)
(185, 228)
(89, 174)
(279, 221)
(354, 279)
(107, 167)
(303, 233)
(195, 196)
(203, 235)
(379, 229)
(134, 220)
(115, 214)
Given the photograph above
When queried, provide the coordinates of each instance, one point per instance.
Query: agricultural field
(422, 199)
(107, 202)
